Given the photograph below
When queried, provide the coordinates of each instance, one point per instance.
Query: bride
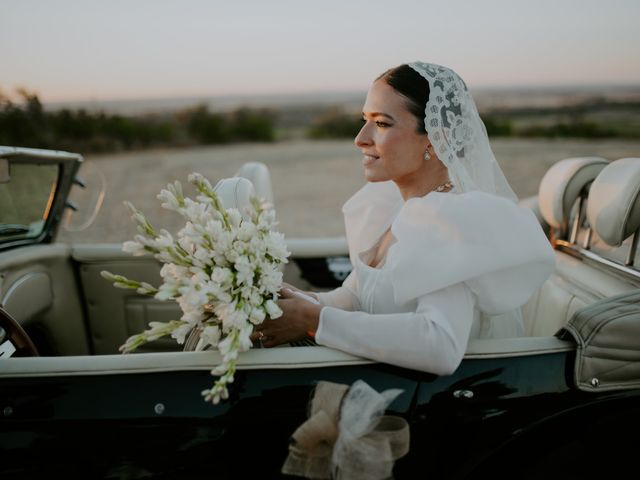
(441, 251)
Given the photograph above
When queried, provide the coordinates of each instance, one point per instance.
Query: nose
(363, 138)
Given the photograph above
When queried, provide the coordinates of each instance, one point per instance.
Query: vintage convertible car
(562, 405)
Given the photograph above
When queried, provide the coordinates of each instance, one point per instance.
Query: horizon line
(549, 88)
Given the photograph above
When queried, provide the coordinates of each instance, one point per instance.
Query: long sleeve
(432, 339)
(344, 297)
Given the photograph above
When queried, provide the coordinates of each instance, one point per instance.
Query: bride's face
(392, 147)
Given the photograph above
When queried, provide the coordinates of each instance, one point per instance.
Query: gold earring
(427, 155)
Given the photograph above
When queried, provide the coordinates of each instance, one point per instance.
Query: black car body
(513, 409)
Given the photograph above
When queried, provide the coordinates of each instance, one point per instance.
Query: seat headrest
(235, 192)
(258, 174)
(613, 209)
(561, 186)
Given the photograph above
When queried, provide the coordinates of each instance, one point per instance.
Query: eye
(382, 124)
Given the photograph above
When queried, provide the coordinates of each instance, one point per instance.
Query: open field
(311, 179)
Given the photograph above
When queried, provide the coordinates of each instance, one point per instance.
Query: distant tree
(578, 129)
(335, 123)
(23, 125)
(253, 126)
(497, 127)
(206, 127)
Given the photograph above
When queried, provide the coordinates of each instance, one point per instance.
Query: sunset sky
(125, 49)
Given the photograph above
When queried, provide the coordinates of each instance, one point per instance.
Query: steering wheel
(14, 341)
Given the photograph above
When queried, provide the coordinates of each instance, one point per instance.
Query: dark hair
(411, 85)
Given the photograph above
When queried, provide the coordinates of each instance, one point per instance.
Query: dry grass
(311, 179)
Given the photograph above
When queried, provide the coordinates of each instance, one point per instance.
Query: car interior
(77, 320)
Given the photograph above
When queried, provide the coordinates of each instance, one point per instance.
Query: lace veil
(502, 270)
(458, 135)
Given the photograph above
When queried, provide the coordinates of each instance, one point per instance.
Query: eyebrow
(378, 114)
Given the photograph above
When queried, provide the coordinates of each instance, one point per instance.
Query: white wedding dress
(461, 266)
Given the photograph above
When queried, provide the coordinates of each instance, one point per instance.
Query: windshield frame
(68, 165)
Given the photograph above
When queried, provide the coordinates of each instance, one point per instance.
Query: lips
(369, 159)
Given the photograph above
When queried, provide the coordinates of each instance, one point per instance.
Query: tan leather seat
(562, 186)
(575, 283)
(258, 174)
(613, 209)
(235, 192)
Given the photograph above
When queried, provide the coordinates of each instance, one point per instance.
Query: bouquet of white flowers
(223, 270)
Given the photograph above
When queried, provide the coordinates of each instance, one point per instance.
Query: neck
(421, 184)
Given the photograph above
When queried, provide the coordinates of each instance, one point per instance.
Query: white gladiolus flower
(222, 268)
(201, 256)
(270, 279)
(225, 345)
(192, 317)
(180, 333)
(244, 338)
(197, 178)
(245, 270)
(230, 317)
(142, 240)
(246, 292)
(163, 240)
(195, 212)
(266, 220)
(172, 197)
(239, 248)
(234, 217)
(272, 308)
(134, 248)
(171, 270)
(214, 228)
(257, 316)
(276, 246)
(256, 297)
(192, 297)
(190, 314)
(146, 288)
(246, 231)
(211, 335)
(231, 355)
(139, 218)
(221, 276)
(164, 257)
(224, 310)
(165, 292)
(238, 319)
(219, 293)
(231, 256)
(223, 242)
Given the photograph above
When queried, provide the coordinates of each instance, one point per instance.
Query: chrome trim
(587, 239)
(584, 254)
(578, 220)
(15, 285)
(28, 154)
(632, 251)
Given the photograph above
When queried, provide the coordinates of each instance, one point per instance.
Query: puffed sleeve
(495, 247)
(344, 297)
(431, 339)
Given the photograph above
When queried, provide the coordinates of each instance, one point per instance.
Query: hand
(288, 286)
(298, 317)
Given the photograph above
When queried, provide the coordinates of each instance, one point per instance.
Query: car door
(37, 279)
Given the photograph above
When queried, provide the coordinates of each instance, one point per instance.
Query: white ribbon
(346, 436)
